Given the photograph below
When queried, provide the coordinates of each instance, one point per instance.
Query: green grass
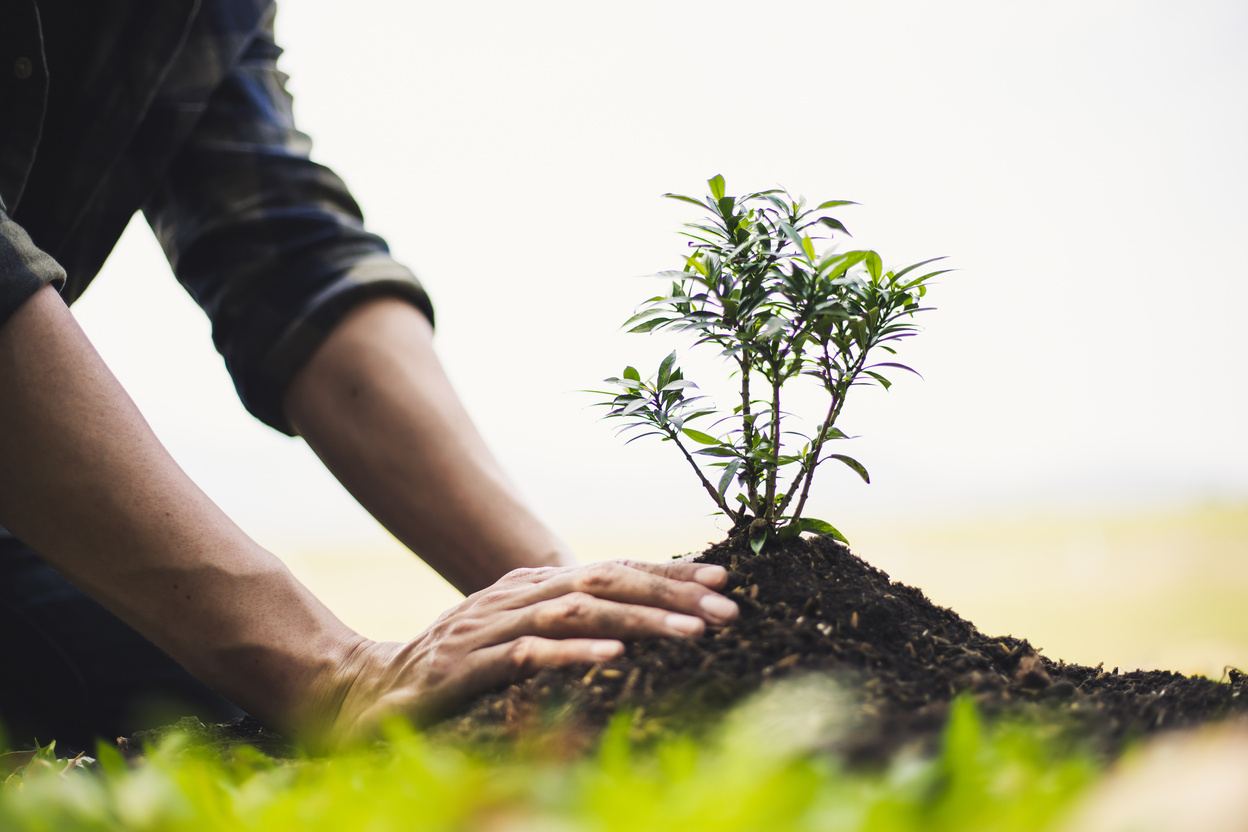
(755, 774)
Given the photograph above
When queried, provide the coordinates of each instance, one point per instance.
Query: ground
(810, 606)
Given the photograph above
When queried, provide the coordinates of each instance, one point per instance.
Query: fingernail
(710, 575)
(717, 606)
(683, 625)
(606, 650)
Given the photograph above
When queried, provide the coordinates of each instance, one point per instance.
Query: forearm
(87, 484)
(376, 406)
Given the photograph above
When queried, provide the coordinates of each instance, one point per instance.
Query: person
(141, 585)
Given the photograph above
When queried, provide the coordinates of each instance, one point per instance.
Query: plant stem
(774, 473)
(747, 433)
(710, 489)
(834, 413)
(807, 475)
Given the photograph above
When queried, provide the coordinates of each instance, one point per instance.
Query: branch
(747, 435)
(834, 413)
(774, 473)
(710, 489)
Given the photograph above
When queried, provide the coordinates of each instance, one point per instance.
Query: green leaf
(641, 316)
(631, 373)
(919, 281)
(633, 407)
(835, 225)
(874, 266)
(699, 436)
(756, 543)
(810, 524)
(885, 383)
(672, 274)
(628, 383)
(854, 464)
(665, 369)
(860, 331)
(899, 367)
(834, 265)
(648, 433)
(700, 413)
(729, 472)
(716, 184)
(792, 234)
(717, 450)
(774, 328)
(809, 248)
(790, 531)
(834, 203)
(914, 266)
(652, 324)
(696, 202)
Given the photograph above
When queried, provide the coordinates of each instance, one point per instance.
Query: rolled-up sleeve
(24, 268)
(269, 243)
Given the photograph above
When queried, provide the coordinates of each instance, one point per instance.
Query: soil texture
(809, 605)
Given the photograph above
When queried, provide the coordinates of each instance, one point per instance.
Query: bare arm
(86, 483)
(375, 405)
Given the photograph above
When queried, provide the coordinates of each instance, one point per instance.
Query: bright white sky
(1080, 163)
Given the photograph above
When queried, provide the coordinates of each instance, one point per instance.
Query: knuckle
(521, 574)
(598, 577)
(573, 605)
(647, 567)
(438, 665)
(576, 604)
(522, 655)
(570, 608)
(459, 628)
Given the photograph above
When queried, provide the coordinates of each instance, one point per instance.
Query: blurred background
(1073, 469)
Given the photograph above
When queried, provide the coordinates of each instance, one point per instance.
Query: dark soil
(809, 605)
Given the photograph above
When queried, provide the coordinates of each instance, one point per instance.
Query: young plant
(758, 287)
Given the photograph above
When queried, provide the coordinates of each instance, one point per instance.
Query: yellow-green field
(1149, 588)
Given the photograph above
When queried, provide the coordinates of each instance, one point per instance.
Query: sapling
(765, 285)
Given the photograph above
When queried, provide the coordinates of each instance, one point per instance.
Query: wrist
(258, 636)
(360, 691)
(338, 676)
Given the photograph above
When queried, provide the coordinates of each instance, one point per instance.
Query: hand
(530, 619)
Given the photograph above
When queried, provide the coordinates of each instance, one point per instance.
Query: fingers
(554, 616)
(680, 588)
(581, 615)
(707, 574)
(518, 659)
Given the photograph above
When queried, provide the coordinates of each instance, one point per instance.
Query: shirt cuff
(370, 277)
(24, 268)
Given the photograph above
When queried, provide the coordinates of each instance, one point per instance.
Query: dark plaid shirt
(177, 108)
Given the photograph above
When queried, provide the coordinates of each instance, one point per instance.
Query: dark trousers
(73, 672)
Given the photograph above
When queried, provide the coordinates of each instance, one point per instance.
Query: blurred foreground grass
(761, 773)
(1138, 589)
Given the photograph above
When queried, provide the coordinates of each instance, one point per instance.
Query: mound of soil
(810, 605)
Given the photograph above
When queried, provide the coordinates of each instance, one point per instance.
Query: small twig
(710, 489)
